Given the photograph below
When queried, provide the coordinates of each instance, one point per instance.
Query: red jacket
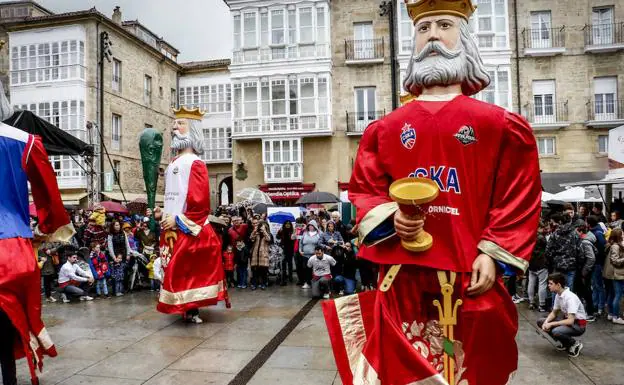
(484, 160)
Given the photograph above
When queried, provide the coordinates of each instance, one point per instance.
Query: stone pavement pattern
(125, 341)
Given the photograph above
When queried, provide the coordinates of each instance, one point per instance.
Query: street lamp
(387, 8)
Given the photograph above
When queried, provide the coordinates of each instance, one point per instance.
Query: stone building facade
(568, 76)
(206, 85)
(55, 73)
(361, 72)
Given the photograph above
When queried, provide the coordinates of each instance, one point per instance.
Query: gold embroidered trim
(495, 251)
(374, 218)
(352, 327)
(192, 295)
(192, 226)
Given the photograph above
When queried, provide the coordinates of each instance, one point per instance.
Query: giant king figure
(441, 316)
(191, 251)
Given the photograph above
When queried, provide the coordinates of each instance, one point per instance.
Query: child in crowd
(47, 267)
(154, 272)
(241, 258)
(100, 270)
(118, 272)
(228, 265)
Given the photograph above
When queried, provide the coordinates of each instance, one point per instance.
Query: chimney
(117, 15)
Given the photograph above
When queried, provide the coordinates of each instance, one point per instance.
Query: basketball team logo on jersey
(466, 135)
(408, 136)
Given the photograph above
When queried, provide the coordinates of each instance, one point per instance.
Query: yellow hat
(420, 8)
(185, 113)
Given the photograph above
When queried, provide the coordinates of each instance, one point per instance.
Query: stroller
(276, 255)
(138, 271)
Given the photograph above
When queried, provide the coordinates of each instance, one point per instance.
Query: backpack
(566, 251)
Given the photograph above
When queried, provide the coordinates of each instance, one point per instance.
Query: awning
(555, 182)
(69, 198)
(118, 196)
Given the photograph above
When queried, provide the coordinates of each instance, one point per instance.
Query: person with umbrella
(190, 249)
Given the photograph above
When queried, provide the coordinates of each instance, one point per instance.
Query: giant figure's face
(442, 28)
(181, 126)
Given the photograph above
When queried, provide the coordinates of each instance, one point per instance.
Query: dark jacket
(538, 258)
(589, 257)
(563, 249)
(241, 257)
(601, 244)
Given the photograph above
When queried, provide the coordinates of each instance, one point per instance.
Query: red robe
(193, 276)
(23, 159)
(484, 160)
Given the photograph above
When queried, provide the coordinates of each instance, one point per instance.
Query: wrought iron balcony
(605, 112)
(364, 51)
(544, 41)
(358, 121)
(547, 115)
(604, 37)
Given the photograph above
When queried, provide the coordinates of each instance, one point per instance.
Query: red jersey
(484, 160)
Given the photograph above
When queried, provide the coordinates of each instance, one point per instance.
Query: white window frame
(603, 32)
(405, 40)
(499, 98)
(541, 29)
(544, 91)
(116, 77)
(364, 115)
(603, 144)
(605, 98)
(217, 144)
(312, 26)
(288, 165)
(253, 43)
(284, 29)
(147, 89)
(116, 130)
(493, 34)
(47, 62)
(237, 41)
(543, 146)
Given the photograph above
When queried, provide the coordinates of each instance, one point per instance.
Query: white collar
(437, 98)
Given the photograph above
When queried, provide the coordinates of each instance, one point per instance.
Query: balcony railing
(544, 40)
(547, 115)
(605, 112)
(285, 124)
(282, 52)
(601, 36)
(364, 50)
(283, 173)
(358, 121)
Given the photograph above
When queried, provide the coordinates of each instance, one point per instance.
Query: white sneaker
(51, 299)
(86, 298)
(325, 296)
(305, 286)
(64, 298)
(196, 320)
(618, 320)
(610, 317)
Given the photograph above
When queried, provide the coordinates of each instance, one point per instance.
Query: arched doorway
(225, 192)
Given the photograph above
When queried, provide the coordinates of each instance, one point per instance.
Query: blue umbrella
(281, 217)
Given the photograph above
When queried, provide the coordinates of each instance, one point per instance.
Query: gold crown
(185, 113)
(421, 8)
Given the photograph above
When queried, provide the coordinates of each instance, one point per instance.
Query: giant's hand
(158, 213)
(483, 275)
(168, 223)
(407, 227)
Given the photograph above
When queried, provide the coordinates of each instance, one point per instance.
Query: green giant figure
(151, 145)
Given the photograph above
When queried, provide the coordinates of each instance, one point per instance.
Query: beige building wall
(249, 153)
(349, 74)
(574, 72)
(129, 103)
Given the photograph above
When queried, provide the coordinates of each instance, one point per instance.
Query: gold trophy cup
(410, 194)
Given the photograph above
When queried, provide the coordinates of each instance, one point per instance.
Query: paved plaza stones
(125, 341)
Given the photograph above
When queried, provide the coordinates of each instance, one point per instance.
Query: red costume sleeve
(53, 218)
(368, 188)
(514, 212)
(197, 200)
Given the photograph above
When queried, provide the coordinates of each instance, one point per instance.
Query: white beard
(446, 68)
(179, 141)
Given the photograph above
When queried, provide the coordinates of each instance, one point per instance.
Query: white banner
(616, 152)
(277, 216)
